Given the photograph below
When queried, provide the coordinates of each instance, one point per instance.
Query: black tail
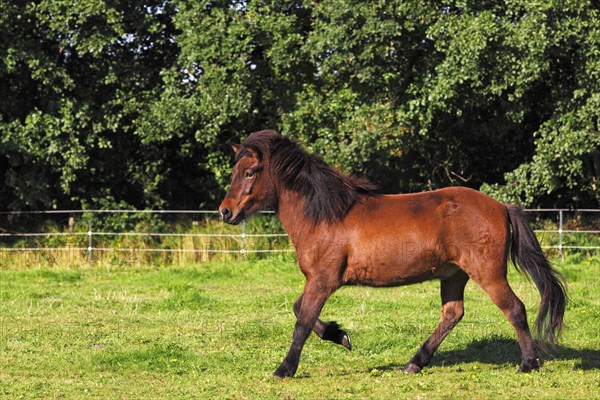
(527, 256)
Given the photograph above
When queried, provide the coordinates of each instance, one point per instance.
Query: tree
(132, 104)
(75, 77)
(565, 168)
(444, 94)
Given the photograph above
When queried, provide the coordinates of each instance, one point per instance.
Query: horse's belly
(403, 265)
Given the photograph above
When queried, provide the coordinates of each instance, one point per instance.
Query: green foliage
(75, 76)
(566, 164)
(109, 104)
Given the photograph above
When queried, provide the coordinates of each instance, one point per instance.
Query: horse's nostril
(225, 213)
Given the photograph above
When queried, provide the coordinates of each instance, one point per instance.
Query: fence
(555, 231)
(561, 232)
(92, 241)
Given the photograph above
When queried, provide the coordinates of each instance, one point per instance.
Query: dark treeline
(132, 104)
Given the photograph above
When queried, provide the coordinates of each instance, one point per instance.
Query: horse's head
(250, 190)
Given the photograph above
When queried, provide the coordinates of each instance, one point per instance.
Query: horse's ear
(236, 147)
(247, 151)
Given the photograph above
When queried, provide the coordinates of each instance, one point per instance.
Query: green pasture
(218, 330)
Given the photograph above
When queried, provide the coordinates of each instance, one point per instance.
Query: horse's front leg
(311, 303)
(327, 330)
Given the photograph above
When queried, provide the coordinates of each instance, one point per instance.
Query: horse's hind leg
(452, 291)
(327, 330)
(503, 296)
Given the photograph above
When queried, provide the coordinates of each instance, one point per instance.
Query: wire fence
(559, 230)
(564, 231)
(77, 236)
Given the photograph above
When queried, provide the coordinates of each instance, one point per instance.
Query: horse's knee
(453, 312)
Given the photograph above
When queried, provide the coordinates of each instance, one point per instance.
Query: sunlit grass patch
(218, 330)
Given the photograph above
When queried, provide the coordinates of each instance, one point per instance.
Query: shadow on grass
(500, 351)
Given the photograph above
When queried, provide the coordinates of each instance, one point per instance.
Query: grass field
(219, 330)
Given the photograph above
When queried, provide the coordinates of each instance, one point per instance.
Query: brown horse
(344, 234)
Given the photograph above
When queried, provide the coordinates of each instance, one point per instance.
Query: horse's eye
(249, 174)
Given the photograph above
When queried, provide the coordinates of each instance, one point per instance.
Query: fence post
(243, 250)
(90, 260)
(560, 233)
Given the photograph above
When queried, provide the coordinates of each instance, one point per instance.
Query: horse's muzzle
(227, 215)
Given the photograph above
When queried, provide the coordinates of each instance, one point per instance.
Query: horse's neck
(290, 209)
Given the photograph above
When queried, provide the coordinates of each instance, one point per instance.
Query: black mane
(329, 194)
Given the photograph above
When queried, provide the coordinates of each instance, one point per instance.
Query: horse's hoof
(523, 369)
(282, 372)
(412, 368)
(277, 375)
(346, 341)
(530, 365)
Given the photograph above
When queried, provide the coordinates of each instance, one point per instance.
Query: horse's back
(454, 208)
